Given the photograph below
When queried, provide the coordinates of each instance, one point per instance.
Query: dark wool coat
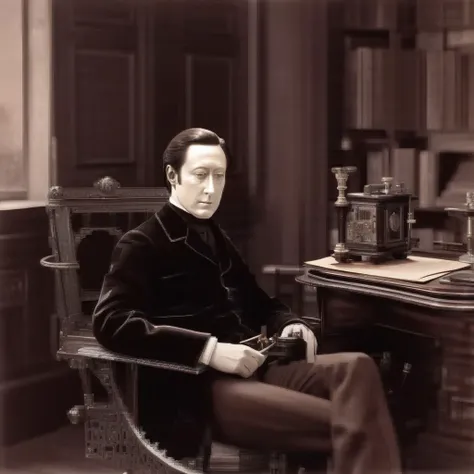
(164, 296)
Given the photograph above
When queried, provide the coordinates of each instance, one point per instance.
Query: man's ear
(171, 175)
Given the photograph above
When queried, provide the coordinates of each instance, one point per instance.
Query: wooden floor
(61, 452)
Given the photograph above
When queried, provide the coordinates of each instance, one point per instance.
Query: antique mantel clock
(375, 224)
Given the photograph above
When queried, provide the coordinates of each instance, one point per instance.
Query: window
(12, 101)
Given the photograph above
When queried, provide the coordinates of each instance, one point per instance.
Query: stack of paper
(415, 269)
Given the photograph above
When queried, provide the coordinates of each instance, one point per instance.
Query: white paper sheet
(416, 269)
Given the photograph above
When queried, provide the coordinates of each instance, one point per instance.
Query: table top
(433, 294)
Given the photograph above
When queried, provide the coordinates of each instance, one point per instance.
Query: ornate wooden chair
(85, 224)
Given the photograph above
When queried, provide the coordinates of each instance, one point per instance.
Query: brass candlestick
(341, 252)
(465, 276)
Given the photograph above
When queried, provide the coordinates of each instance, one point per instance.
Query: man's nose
(209, 186)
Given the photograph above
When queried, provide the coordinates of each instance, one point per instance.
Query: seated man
(178, 291)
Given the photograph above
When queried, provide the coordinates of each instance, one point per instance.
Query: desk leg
(320, 309)
(298, 297)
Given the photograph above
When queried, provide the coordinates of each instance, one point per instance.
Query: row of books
(420, 172)
(405, 14)
(411, 90)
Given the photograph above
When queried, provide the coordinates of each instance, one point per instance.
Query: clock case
(376, 224)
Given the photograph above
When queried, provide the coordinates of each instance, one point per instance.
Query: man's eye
(220, 176)
(200, 175)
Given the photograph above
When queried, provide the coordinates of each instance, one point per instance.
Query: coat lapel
(177, 230)
(223, 249)
(197, 244)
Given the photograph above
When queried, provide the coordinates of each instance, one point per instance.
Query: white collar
(176, 203)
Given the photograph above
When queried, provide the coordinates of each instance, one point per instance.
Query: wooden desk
(431, 327)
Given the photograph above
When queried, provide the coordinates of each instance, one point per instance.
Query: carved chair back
(85, 224)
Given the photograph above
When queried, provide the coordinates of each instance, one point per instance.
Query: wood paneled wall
(130, 75)
(35, 390)
(293, 163)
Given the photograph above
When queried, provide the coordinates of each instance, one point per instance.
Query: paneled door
(101, 87)
(201, 81)
(130, 74)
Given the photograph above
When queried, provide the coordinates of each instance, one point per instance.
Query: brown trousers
(335, 405)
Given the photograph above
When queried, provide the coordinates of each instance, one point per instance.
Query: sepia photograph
(236, 236)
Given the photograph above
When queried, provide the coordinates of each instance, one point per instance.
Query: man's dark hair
(175, 152)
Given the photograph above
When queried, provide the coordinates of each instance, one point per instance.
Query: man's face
(202, 180)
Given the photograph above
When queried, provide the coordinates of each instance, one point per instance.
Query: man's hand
(307, 335)
(236, 359)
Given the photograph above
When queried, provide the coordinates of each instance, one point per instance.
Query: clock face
(394, 222)
(361, 225)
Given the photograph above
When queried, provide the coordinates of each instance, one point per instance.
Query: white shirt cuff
(208, 351)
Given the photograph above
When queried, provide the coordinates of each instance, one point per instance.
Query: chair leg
(206, 461)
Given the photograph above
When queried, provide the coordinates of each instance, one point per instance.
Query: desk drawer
(456, 398)
(343, 310)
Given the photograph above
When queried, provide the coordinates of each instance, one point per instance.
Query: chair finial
(107, 185)
(55, 192)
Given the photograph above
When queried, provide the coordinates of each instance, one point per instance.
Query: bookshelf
(407, 106)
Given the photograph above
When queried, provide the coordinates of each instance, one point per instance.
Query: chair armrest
(282, 270)
(91, 349)
(50, 261)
